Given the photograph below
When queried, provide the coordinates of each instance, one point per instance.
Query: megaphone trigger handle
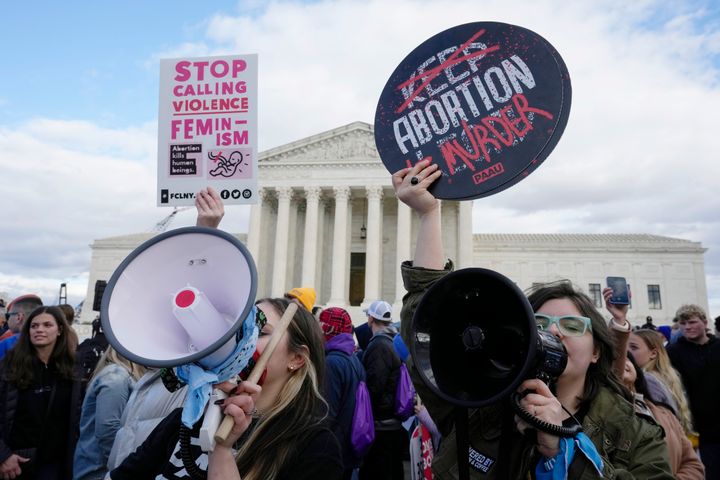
(211, 420)
(226, 426)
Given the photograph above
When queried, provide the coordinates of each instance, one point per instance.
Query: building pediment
(348, 147)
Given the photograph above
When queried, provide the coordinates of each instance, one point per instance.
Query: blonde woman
(280, 430)
(650, 354)
(105, 399)
(684, 461)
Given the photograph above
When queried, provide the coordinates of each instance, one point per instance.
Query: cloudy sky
(78, 113)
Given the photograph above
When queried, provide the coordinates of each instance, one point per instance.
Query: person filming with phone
(614, 443)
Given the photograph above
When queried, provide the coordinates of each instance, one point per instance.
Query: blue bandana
(556, 468)
(200, 381)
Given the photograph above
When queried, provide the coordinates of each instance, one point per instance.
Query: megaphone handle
(557, 430)
(226, 426)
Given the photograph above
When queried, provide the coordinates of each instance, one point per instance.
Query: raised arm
(427, 267)
(210, 209)
(411, 187)
(620, 329)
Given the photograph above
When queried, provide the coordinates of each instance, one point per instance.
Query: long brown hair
(600, 372)
(661, 367)
(19, 360)
(299, 409)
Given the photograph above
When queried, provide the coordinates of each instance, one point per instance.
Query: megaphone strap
(200, 381)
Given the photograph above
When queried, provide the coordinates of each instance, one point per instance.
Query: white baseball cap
(380, 310)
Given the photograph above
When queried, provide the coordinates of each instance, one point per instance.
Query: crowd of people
(645, 399)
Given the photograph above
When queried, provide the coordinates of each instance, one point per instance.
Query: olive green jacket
(630, 447)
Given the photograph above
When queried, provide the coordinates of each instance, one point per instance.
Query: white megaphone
(180, 298)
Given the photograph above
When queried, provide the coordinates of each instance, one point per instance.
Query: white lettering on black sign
(480, 462)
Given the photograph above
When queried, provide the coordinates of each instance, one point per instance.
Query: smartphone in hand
(620, 295)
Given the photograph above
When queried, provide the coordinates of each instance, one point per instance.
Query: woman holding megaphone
(613, 443)
(278, 429)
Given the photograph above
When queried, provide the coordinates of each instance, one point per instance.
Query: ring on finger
(414, 181)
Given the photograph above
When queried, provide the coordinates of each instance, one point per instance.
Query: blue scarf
(200, 381)
(556, 468)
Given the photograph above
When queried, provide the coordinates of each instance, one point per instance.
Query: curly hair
(688, 311)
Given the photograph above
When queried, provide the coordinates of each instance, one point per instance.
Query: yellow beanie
(306, 295)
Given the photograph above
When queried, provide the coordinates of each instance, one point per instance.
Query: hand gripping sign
(485, 101)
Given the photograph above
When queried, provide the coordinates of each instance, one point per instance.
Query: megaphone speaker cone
(473, 337)
(179, 297)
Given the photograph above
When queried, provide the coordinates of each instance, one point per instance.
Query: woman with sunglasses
(615, 442)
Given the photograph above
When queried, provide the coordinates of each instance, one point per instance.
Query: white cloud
(638, 154)
(67, 183)
(48, 288)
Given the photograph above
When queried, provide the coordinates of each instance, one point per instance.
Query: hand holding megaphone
(239, 409)
(241, 422)
(545, 407)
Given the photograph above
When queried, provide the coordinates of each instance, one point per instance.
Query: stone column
(373, 254)
(464, 235)
(255, 227)
(281, 242)
(404, 240)
(312, 195)
(323, 242)
(338, 290)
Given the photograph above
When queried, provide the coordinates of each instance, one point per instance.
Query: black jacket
(9, 395)
(699, 367)
(382, 368)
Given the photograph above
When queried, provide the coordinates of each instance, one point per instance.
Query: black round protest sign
(486, 101)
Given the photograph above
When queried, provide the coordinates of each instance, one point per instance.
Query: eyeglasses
(10, 314)
(569, 325)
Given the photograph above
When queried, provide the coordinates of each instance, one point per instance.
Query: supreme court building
(327, 217)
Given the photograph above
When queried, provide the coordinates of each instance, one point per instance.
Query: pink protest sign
(207, 129)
